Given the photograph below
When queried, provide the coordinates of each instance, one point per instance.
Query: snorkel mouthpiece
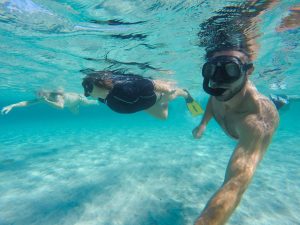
(212, 91)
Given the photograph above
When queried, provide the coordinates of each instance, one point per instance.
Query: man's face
(225, 74)
(230, 89)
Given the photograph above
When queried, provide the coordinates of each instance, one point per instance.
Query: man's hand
(198, 131)
(6, 110)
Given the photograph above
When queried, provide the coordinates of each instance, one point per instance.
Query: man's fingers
(196, 133)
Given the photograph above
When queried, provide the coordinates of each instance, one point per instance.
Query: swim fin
(193, 106)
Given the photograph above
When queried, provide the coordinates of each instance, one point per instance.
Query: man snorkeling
(129, 93)
(56, 99)
(245, 115)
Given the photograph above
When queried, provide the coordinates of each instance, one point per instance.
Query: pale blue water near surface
(100, 167)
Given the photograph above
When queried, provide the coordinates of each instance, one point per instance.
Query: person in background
(281, 100)
(130, 93)
(56, 99)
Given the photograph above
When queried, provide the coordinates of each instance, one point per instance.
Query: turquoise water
(100, 167)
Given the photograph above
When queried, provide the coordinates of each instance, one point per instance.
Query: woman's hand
(44, 98)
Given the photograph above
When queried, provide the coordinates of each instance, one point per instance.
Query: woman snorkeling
(130, 93)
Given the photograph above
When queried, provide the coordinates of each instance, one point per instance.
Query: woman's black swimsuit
(130, 96)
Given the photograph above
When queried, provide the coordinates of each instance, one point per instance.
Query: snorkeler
(129, 93)
(57, 99)
(281, 100)
(245, 115)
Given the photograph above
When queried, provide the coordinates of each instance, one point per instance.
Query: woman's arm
(7, 109)
(85, 101)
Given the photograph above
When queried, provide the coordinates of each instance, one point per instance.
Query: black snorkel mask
(87, 85)
(223, 70)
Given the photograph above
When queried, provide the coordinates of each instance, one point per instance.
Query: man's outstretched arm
(242, 165)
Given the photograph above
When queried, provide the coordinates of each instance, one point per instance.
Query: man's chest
(229, 121)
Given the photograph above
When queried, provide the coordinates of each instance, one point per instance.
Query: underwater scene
(69, 154)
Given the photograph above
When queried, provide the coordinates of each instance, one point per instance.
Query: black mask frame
(225, 69)
(87, 85)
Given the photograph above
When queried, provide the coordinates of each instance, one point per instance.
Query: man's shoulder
(261, 104)
(266, 108)
(264, 119)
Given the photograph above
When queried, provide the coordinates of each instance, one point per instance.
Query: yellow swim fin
(193, 106)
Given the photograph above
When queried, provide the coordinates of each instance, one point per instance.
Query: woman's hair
(101, 79)
(107, 79)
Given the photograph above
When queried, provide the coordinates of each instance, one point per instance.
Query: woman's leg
(168, 90)
(159, 110)
(165, 92)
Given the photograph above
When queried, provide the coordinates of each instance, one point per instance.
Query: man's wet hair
(210, 53)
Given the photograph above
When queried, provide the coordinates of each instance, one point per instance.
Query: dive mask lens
(223, 69)
(208, 70)
(88, 88)
(233, 70)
